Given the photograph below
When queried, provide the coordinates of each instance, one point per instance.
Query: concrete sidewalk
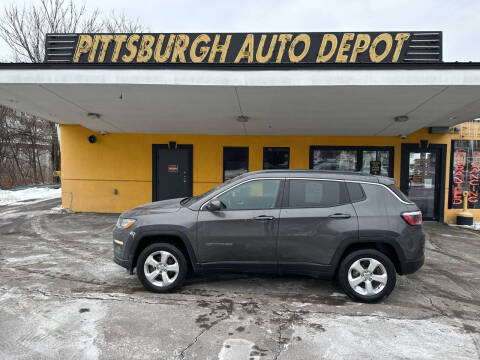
(61, 296)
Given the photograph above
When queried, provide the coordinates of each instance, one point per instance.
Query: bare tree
(119, 23)
(24, 30)
(24, 148)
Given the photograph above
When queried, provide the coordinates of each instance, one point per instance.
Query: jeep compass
(359, 229)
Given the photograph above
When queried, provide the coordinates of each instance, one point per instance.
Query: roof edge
(298, 66)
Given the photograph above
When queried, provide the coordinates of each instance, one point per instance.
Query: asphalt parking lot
(61, 296)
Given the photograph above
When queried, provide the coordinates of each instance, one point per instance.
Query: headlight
(125, 223)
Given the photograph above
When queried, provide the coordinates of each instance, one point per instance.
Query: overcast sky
(458, 19)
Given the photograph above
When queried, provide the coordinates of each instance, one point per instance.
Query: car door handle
(340, 216)
(263, 218)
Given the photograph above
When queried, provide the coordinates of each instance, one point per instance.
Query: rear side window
(356, 192)
(316, 193)
(399, 193)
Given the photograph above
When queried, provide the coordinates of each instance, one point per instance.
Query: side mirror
(214, 205)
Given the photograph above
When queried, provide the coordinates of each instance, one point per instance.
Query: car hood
(164, 206)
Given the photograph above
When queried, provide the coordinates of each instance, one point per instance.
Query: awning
(360, 101)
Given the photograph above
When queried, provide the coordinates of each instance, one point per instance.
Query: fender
(348, 242)
(149, 231)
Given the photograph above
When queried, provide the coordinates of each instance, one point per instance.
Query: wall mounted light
(401, 118)
(242, 118)
(94, 115)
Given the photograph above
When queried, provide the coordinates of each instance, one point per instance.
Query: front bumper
(122, 241)
(122, 262)
(119, 256)
(409, 267)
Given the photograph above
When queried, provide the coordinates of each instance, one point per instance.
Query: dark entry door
(172, 172)
(422, 178)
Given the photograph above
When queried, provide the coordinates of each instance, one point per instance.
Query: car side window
(252, 195)
(356, 192)
(316, 193)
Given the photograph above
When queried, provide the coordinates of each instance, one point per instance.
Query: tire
(163, 260)
(367, 286)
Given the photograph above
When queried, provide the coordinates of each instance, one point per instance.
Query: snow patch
(475, 226)
(56, 210)
(237, 349)
(51, 329)
(30, 195)
(351, 337)
(27, 259)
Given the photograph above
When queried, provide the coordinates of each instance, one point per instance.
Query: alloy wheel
(367, 276)
(161, 268)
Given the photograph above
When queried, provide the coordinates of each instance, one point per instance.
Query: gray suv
(358, 228)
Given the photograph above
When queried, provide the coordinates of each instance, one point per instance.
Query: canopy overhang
(305, 101)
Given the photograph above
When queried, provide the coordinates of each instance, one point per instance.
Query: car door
(243, 234)
(316, 217)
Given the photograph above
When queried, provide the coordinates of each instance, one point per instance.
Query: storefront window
(342, 160)
(373, 155)
(276, 158)
(235, 162)
(370, 160)
(465, 174)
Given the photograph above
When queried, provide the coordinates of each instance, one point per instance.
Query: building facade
(146, 117)
(120, 171)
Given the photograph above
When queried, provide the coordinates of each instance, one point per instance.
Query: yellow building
(115, 173)
(139, 126)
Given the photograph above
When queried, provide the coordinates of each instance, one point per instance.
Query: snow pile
(475, 226)
(34, 194)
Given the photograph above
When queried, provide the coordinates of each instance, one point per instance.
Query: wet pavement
(61, 296)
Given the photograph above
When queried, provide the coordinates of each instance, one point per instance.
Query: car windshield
(190, 200)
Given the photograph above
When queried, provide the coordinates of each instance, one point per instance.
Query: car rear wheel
(161, 267)
(367, 275)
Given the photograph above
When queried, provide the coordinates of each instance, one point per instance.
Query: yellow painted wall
(91, 172)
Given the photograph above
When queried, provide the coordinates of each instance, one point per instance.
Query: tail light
(413, 218)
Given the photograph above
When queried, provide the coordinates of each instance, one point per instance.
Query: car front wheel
(367, 275)
(161, 267)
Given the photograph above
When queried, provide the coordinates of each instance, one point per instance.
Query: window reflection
(342, 160)
(368, 160)
(369, 156)
(276, 158)
(422, 175)
(235, 162)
